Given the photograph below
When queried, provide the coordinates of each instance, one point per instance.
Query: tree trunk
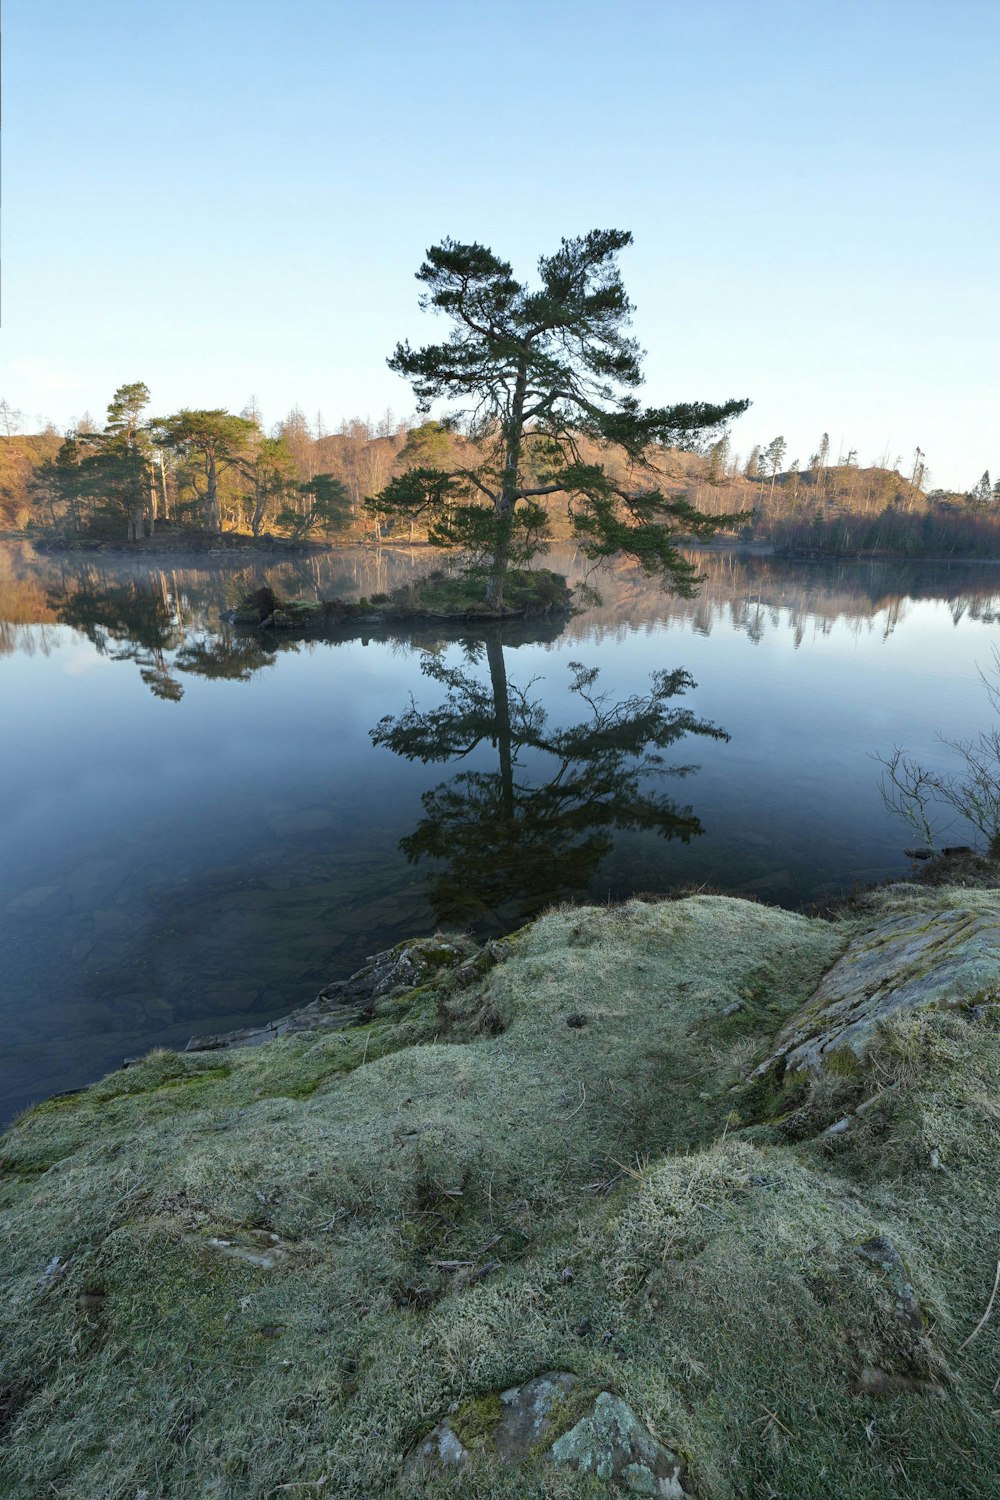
(163, 488)
(212, 493)
(501, 560)
(501, 709)
(508, 492)
(258, 511)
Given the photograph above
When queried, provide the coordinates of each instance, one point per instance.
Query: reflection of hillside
(756, 594)
(168, 619)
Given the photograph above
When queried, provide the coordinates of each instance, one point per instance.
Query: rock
(601, 1435)
(266, 1259)
(916, 957)
(347, 1001)
(881, 1252)
(440, 1446)
(919, 853)
(874, 1382)
(528, 1413)
(41, 902)
(613, 1444)
(398, 969)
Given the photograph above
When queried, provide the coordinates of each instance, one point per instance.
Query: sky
(228, 199)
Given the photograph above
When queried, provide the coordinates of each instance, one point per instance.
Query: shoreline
(232, 544)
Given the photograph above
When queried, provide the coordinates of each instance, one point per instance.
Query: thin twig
(989, 1308)
(770, 1418)
(583, 1100)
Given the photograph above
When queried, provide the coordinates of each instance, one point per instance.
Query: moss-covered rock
(918, 949)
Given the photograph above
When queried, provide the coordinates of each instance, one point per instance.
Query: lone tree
(540, 380)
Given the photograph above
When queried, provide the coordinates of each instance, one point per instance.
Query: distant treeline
(218, 471)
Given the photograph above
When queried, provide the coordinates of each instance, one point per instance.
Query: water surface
(200, 826)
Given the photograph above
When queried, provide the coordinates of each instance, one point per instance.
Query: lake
(201, 826)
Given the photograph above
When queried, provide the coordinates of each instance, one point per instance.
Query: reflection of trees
(141, 620)
(128, 621)
(536, 828)
(236, 657)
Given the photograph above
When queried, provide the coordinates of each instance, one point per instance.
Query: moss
(568, 1408)
(477, 1420)
(771, 1095)
(843, 1062)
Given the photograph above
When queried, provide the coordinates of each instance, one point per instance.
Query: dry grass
(365, 1184)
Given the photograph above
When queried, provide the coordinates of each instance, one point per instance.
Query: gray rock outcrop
(556, 1416)
(916, 956)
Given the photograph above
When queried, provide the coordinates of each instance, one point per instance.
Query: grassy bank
(270, 1272)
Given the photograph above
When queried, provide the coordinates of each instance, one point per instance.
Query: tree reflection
(129, 621)
(141, 620)
(228, 655)
(511, 839)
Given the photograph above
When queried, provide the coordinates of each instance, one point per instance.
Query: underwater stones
(556, 1416)
(302, 820)
(42, 902)
(913, 958)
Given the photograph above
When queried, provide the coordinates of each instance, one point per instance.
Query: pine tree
(533, 371)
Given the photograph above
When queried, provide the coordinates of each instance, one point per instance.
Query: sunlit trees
(269, 468)
(531, 371)
(110, 470)
(323, 504)
(982, 494)
(215, 440)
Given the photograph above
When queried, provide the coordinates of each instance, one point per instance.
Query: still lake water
(198, 830)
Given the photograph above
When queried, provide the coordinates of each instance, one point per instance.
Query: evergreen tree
(534, 371)
(216, 439)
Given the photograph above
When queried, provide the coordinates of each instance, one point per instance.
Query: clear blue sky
(228, 198)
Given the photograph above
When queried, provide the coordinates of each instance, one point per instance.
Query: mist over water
(199, 829)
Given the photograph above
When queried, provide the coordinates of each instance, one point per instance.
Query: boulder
(921, 953)
(42, 902)
(556, 1416)
(612, 1443)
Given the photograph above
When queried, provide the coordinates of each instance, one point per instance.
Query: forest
(196, 471)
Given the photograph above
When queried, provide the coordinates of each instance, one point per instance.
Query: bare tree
(921, 797)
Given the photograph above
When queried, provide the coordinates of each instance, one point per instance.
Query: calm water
(200, 829)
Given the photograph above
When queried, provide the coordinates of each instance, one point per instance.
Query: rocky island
(695, 1197)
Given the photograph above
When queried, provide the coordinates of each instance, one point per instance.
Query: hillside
(530, 1228)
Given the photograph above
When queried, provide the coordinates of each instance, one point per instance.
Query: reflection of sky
(184, 805)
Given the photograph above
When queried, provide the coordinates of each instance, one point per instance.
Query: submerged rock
(42, 901)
